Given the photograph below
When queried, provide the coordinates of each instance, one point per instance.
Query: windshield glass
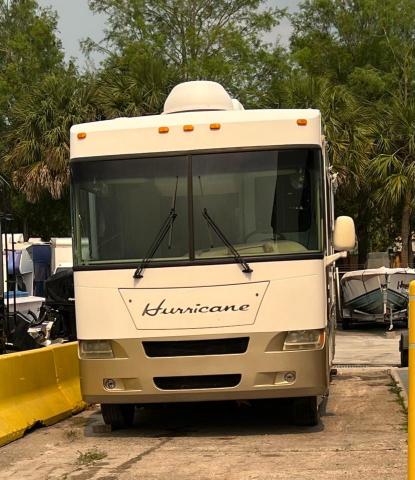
(264, 202)
(120, 206)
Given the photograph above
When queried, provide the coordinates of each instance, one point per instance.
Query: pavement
(368, 345)
(372, 346)
(361, 436)
(362, 433)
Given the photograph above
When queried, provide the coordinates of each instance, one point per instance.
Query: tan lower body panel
(260, 372)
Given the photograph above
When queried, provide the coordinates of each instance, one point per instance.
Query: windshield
(265, 202)
(119, 206)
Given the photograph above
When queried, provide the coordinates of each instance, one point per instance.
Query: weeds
(396, 390)
(90, 457)
(71, 435)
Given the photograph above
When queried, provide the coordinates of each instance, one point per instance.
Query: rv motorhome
(204, 251)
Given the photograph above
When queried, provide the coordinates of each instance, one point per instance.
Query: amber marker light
(81, 135)
(215, 126)
(302, 122)
(163, 129)
(188, 128)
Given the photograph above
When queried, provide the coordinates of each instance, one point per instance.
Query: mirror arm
(332, 258)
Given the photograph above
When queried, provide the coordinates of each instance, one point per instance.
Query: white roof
(239, 129)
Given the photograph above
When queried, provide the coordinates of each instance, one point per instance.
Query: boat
(375, 294)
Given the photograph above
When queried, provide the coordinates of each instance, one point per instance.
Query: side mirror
(344, 237)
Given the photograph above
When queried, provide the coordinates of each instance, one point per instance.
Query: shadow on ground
(222, 420)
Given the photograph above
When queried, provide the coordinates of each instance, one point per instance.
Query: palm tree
(37, 141)
(350, 131)
(394, 167)
(134, 84)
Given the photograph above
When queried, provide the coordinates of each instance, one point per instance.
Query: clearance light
(304, 340)
(301, 122)
(215, 126)
(188, 128)
(81, 135)
(163, 129)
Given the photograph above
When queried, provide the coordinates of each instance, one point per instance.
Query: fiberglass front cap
(197, 95)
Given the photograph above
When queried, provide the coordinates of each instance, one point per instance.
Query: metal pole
(14, 281)
(3, 326)
(411, 380)
(6, 250)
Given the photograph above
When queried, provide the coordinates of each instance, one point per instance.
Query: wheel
(118, 415)
(346, 324)
(404, 358)
(305, 411)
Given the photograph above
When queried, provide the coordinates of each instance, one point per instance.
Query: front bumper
(261, 371)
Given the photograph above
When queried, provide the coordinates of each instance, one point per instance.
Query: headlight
(304, 340)
(95, 349)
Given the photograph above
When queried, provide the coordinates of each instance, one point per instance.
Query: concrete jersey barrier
(38, 387)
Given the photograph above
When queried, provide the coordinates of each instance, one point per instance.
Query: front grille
(197, 381)
(186, 348)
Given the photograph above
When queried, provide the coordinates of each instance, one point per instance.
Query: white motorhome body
(192, 323)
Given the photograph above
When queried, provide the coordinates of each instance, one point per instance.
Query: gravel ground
(361, 436)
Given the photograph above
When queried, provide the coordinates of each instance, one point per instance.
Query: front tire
(305, 411)
(404, 358)
(346, 324)
(118, 415)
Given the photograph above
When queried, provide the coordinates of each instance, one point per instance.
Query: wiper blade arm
(165, 228)
(221, 235)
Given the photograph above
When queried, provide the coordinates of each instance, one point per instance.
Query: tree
(203, 39)
(134, 84)
(336, 38)
(361, 45)
(29, 49)
(395, 168)
(350, 138)
(37, 154)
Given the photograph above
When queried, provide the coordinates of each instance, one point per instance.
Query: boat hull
(379, 292)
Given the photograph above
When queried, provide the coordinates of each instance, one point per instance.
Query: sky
(77, 22)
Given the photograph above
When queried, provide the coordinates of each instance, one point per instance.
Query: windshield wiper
(221, 235)
(167, 226)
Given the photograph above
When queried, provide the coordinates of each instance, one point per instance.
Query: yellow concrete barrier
(67, 374)
(411, 380)
(38, 387)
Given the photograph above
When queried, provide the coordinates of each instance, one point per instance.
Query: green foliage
(133, 84)
(45, 219)
(334, 37)
(365, 47)
(90, 457)
(29, 49)
(38, 142)
(202, 39)
(353, 59)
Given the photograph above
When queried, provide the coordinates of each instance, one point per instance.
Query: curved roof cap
(197, 95)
